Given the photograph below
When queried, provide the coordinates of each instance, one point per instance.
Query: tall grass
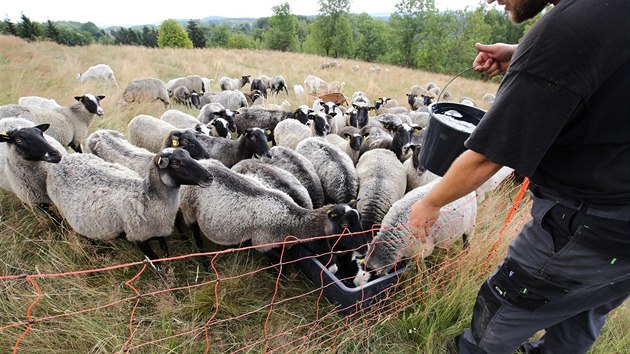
(432, 303)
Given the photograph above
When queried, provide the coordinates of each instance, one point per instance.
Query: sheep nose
(99, 111)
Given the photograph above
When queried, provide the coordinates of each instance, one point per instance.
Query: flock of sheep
(240, 171)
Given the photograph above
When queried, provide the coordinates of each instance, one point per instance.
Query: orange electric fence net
(244, 303)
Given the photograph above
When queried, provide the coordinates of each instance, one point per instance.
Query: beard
(523, 10)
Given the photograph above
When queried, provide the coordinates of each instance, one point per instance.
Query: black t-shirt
(562, 112)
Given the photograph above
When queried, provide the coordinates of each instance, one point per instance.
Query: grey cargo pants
(566, 270)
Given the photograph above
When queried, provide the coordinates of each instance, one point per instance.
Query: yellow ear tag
(361, 260)
(159, 160)
(347, 138)
(4, 134)
(268, 132)
(175, 143)
(365, 137)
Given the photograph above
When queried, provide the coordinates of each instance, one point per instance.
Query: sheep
(211, 111)
(446, 96)
(230, 84)
(253, 96)
(492, 183)
(417, 174)
(265, 80)
(468, 102)
(348, 143)
(488, 98)
(281, 107)
(112, 146)
(359, 97)
(68, 124)
(301, 167)
(277, 84)
(229, 99)
(431, 85)
(181, 95)
(324, 66)
(148, 132)
(103, 201)
(253, 142)
(194, 83)
(290, 132)
(39, 102)
(415, 102)
(358, 116)
(206, 83)
(334, 168)
(382, 182)
(356, 67)
(257, 84)
(25, 155)
(275, 178)
(313, 83)
(266, 118)
(146, 90)
(399, 143)
(394, 242)
(181, 120)
(382, 103)
(375, 69)
(334, 86)
(298, 90)
(98, 71)
(419, 118)
(195, 100)
(271, 216)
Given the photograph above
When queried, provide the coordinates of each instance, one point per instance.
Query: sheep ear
(162, 162)
(331, 214)
(5, 138)
(353, 203)
(100, 97)
(347, 136)
(43, 127)
(79, 98)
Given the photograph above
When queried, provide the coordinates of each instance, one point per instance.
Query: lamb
(301, 168)
(313, 83)
(348, 143)
(299, 91)
(218, 212)
(68, 124)
(181, 120)
(25, 155)
(194, 83)
(230, 84)
(277, 84)
(181, 95)
(275, 178)
(211, 111)
(103, 201)
(38, 102)
(266, 118)
(98, 71)
(229, 152)
(382, 182)
(229, 99)
(394, 242)
(112, 146)
(334, 168)
(146, 90)
(257, 84)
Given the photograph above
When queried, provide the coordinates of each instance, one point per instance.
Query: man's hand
(493, 59)
(422, 218)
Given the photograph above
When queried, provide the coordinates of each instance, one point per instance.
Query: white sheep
(194, 83)
(334, 168)
(148, 132)
(417, 174)
(98, 71)
(290, 132)
(68, 124)
(313, 83)
(394, 242)
(298, 90)
(230, 84)
(39, 102)
(232, 100)
(348, 143)
(146, 90)
(103, 201)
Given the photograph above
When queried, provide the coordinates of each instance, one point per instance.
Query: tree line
(416, 35)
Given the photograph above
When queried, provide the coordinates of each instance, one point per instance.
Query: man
(562, 118)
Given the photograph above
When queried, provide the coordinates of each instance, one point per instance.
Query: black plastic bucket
(444, 140)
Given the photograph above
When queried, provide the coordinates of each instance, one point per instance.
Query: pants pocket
(523, 290)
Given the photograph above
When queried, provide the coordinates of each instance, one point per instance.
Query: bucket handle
(451, 80)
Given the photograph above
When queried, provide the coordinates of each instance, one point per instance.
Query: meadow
(78, 296)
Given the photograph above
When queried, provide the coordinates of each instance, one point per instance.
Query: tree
(219, 36)
(282, 31)
(149, 37)
(370, 39)
(332, 27)
(172, 35)
(196, 35)
(52, 31)
(342, 40)
(407, 25)
(8, 27)
(27, 29)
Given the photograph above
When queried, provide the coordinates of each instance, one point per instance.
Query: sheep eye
(183, 141)
(332, 215)
(19, 140)
(175, 164)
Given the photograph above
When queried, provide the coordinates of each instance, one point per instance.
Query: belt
(621, 213)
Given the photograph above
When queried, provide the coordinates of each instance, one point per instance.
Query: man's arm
(469, 171)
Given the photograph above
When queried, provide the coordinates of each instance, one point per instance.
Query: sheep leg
(199, 243)
(179, 225)
(46, 209)
(75, 147)
(163, 246)
(145, 247)
(465, 241)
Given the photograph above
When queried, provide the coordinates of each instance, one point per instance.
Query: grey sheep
(194, 83)
(68, 124)
(112, 146)
(230, 84)
(148, 132)
(146, 90)
(211, 111)
(334, 168)
(399, 142)
(104, 201)
(25, 157)
(382, 182)
(267, 118)
(258, 84)
(277, 84)
(252, 143)
(290, 132)
(181, 120)
(275, 178)
(395, 243)
(236, 209)
(181, 95)
(232, 100)
(301, 167)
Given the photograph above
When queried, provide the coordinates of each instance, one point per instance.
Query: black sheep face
(177, 168)
(345, 220)
(30, 144)
(188, 141)
(354, 140)
(256, 142)
(91, 103)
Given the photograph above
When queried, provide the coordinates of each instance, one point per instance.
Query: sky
(138, 12)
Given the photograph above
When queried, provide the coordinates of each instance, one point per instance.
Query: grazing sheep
(112, 146)
(313, 83)
(146, 90)
(194, 83)
(324, 66)
(334, 86)
(98, 71)
(334, 168)
(38, 102)
(219, 211)
(181, 95)
(394, 242)
(230, 84)
(348, 143)
(257, 84)
(68, 124)
(375, 69)
(275, 178)
(265, 80)
(25, 156)
(382, 182)
(267, 118)
(417, 174)
(298, 90)
(277, 84)
(356, 67)
(104, 201)
(148, 132)
(253, 142)
(195, 100)
(229, 99)
(301, 167)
